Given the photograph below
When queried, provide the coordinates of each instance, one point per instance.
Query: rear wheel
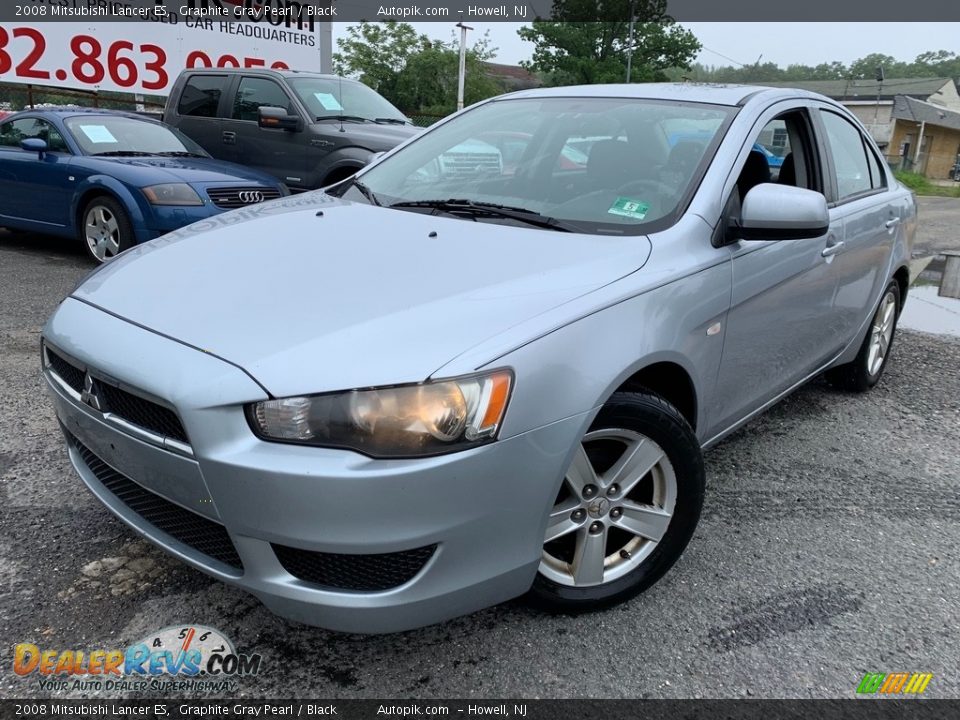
(106, 229)
(867, 368)
(627, 508)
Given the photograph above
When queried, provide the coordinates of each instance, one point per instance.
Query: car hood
(153, 169)
(356, 297)
(375, 137)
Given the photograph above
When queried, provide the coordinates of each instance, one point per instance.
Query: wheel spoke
(112, 246)
(639, 458)
(560, 523)
(646, 521)
(111, 225)
(581, 472)
(588, 557)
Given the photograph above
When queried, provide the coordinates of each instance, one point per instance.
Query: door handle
(892, 221)
(832, 249)
(229, 137)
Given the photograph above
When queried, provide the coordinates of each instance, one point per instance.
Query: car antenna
(340, 90)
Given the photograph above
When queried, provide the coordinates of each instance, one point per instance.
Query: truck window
(255, 93)
(201, 96)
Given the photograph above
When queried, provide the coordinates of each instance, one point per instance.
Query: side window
(13, 132)
(878, 178)
(201, 96)
(255, 93)
(851, 167)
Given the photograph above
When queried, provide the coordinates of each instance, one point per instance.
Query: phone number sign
(146, 56)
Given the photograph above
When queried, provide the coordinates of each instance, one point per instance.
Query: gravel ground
(828, 548)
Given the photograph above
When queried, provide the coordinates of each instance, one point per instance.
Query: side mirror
(35, 145)
(274, 118)
(783, 212)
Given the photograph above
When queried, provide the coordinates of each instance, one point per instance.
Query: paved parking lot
(828, 548)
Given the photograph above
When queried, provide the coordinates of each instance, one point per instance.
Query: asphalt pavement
(828, 549)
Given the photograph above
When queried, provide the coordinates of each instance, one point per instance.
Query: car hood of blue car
(312, 294)
(153, 169)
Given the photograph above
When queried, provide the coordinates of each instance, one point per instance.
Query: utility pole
(633, 22)
(463, 63)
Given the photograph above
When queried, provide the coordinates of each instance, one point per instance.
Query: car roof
(267, 71)
(66, 112)
(716, 94)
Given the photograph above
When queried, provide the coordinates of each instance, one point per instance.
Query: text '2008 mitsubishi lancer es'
(453, 380)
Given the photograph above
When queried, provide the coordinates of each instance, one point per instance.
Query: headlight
(172, 194)
(404, 421)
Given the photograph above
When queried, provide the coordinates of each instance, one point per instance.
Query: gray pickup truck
(306, 129)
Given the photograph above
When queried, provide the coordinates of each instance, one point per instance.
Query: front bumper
(484, 509)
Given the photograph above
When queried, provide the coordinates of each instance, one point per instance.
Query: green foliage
(596, 52)
(376, 53)
(939, 63)
(922, 186)
(415, 73)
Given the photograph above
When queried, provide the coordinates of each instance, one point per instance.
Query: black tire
(113, 214)
(856, 376)
(656, 419)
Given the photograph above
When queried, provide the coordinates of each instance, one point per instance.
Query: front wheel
(627, 508)
(106, 229)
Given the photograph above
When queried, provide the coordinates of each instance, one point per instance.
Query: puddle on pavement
(927, 312)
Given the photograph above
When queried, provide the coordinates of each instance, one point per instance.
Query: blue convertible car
(113, 179)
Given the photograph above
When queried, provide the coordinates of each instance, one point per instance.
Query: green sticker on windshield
(629, 208)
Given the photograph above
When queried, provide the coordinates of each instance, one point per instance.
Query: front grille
(354, 572)
(132, 408)
(203, 535)
(70, 374)
(137, 410)
(231, 198)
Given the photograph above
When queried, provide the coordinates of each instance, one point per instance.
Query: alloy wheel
(102, 232)
(881, 333)
(614, 507)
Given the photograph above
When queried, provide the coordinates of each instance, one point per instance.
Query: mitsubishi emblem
(89, 395)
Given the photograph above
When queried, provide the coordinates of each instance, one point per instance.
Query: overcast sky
(781, 43)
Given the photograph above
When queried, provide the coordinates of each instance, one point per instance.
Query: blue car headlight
(392, 422)
(172, 194)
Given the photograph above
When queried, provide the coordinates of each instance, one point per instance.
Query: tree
(570, 52)
(376, 53)
(428, 81)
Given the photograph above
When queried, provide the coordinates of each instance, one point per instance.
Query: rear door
(196, 112)
(280, 153)
(861, 202)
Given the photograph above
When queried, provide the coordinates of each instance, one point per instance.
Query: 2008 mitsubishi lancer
(455, 379)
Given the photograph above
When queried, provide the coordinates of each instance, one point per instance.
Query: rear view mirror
(274, 118)
(783, 212)
(34, 145)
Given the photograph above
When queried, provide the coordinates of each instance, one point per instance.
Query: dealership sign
(67, 43)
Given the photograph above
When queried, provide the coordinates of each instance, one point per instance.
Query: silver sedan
(489, 364)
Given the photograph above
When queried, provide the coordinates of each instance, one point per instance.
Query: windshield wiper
(180, 153)
(390, 121)
(367, 192)
(120, 153)
(472, 208)
(344, 118)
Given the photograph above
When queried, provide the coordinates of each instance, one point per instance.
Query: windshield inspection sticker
(629, 208)
(98, 134)
(328, 101)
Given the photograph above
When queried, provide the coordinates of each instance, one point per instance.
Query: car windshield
(590, 164)
(325, 97)
(117, 135)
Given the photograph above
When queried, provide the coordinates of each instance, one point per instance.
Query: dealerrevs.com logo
(179, 657)
(894, 683)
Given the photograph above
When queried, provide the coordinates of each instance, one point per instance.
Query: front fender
(135, 204)
(353, 157)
